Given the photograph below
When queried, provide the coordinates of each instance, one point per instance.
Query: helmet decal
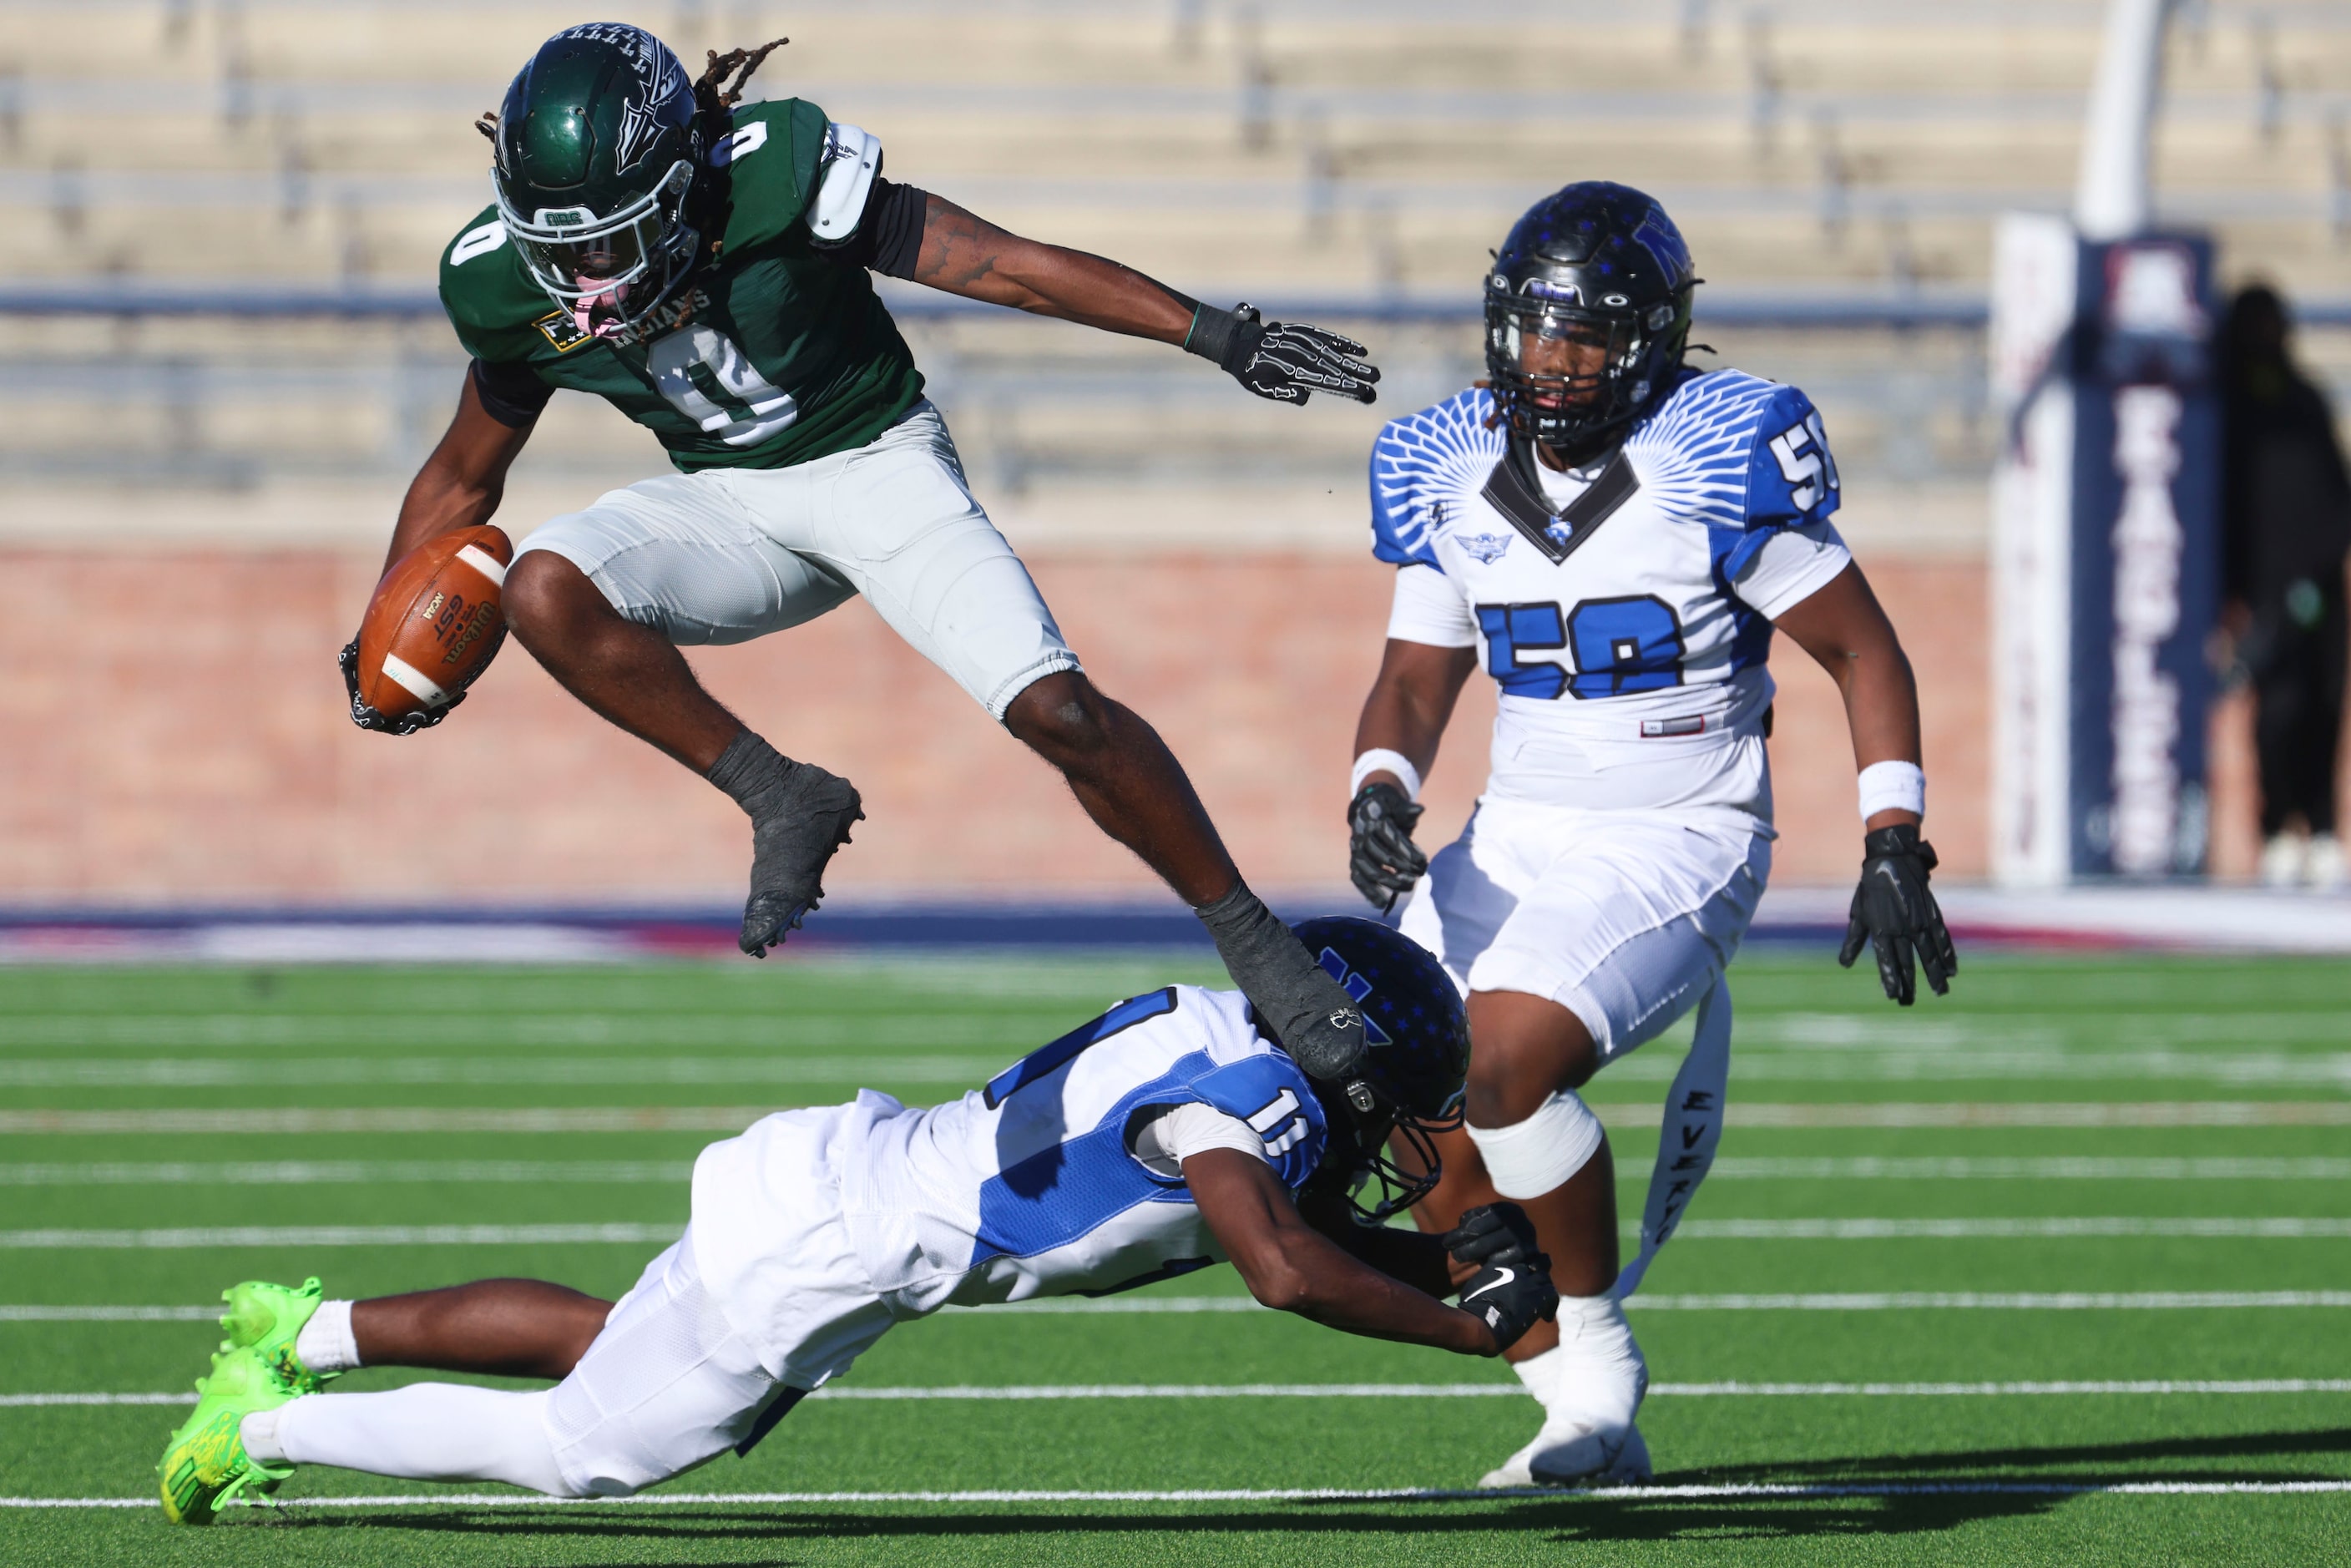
(1657, 235)
(659, 76)
(1409, 1086)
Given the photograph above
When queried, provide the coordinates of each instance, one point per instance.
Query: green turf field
(2113, 1133)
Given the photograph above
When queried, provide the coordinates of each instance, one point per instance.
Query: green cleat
(204, 1465)
(269, 1318)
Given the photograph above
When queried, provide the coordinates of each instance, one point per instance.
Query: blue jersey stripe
(1046, 1058)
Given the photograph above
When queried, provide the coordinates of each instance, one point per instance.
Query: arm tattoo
(959, 249)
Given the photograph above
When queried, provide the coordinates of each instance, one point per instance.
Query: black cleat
(791, 843)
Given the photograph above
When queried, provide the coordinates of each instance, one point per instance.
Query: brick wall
(174, 731)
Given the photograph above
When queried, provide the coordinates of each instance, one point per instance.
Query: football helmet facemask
(1416, 1060)
(599, 150)
(1587, 313)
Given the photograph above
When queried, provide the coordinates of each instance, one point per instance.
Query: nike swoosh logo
(1507, 1275)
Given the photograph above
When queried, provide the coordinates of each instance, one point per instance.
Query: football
(435, 621)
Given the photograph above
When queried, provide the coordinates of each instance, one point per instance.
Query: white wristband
(1380, 759)
(1893, 787)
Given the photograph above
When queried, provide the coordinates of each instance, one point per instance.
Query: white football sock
(1541, 1375)
(325, 1343)
(1601, 1371)
(1597, 1379)
(426, 1432)
(259, 1432)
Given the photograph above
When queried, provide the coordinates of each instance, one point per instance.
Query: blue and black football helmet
(1594, 263)
(1409, 1083)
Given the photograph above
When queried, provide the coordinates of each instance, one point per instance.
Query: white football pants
(725, 555)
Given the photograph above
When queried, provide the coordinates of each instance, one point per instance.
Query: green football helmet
(598, 148)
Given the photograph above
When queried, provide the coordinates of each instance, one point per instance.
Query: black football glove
(1382, 859)
(370, 717)
(1513, 1298)
(1275, 359)
(1894, 913)
(1495, 1233)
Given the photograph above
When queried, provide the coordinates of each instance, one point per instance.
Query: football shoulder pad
(852, 157)
(1268, 1091)
(1423, 465)
(1739, 452)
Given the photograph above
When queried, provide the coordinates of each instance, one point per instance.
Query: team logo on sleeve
(562, 329)
(1487, 547)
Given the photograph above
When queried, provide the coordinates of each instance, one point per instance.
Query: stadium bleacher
(1817, 154)
(217, 333)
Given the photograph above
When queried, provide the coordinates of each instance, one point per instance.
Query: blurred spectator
(2287, 521)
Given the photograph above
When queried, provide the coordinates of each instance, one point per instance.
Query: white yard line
(2039, 1114)
(2287, 1229)
(45, 1400)
(656, 1065)
(368, 1071)
(1972, 1300)
(509, 1173)
(1999, 1114)
(2045, 1168)
(1866, 1031)
(45, 1314)
(2282, 1228)
(1761, 1491)
(346, 1235)
(1032, 1393)
(597, 1119)
(1007, 1031)
(1862, 1302)
(348, 1173)
(1990, 1065)
(1758, 1490)
(641, 1025)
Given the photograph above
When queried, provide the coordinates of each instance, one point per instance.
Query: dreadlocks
(713, 94)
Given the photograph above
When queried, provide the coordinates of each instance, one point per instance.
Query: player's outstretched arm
(1404, 719)
(965, 254)
(458, 488)
(1291, 1265)
(463, 481)
(1843, 627)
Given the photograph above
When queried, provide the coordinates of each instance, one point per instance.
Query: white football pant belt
(1691, 1133)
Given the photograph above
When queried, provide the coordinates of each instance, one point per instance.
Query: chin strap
(1692, 1131)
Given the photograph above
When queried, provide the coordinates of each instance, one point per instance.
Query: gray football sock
(799, 815)
(1316, 1021)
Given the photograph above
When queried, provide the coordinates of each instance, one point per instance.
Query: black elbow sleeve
(510, 393)
(889, 237)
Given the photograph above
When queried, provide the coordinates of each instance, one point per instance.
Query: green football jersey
(769, 355)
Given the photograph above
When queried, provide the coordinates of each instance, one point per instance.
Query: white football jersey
(1625, 609)
(1033, 1187)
